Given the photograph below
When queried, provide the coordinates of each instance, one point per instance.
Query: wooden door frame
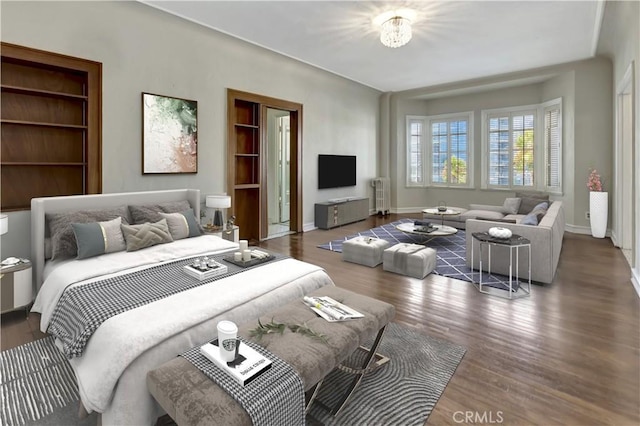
(295, 114)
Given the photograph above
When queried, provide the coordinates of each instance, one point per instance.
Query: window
(522, 147)
(511, 153)
(439, 148)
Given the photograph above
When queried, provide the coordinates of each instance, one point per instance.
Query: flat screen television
(335, 171)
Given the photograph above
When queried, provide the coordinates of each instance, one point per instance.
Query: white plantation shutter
(439, 150)
(510, 144)
(499, 156)
(415, 151)
(553, 147)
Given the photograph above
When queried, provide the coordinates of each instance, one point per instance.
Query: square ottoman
(413, 260)
(364, 250)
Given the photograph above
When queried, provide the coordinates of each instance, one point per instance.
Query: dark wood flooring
(568, 355)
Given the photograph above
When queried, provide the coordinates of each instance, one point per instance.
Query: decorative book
(204, 270)
(330, 309)
(248, 365)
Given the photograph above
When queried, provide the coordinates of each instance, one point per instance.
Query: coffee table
(439, 231)
(441, 213)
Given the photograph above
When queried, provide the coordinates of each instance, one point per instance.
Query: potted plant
(598, 205)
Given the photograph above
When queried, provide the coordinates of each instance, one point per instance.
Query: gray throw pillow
(540, 210)
(151, 212)
(98, 238)
(530, 200)
(182, 224)
(63, 240)
(146, 235)
(530, 219)
(511, 205)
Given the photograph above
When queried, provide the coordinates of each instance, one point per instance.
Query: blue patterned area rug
(450, 252)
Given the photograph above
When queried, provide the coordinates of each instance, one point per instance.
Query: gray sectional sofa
(546, 243)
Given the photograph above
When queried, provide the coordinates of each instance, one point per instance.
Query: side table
(230, 235)
(514, 244)
(16, 286)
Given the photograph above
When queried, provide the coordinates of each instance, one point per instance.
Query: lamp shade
(4, 224)
(218, 201)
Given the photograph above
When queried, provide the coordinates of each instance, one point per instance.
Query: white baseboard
(635, 280)
(407, 210)
(309, 227)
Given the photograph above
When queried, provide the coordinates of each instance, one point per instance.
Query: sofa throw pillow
(146, 234)
(511, 205)
(96, 238)
(63, 240)
(530, 219)
(182, 224)
(151, 212)
(536, 214)
(529, 200)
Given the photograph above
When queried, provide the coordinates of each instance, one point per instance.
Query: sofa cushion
(481, 214)
(511, 205)
(529, 200)
(486, 207)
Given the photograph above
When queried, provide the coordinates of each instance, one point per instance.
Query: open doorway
(254, 174)
(278, 172)
(625, 206)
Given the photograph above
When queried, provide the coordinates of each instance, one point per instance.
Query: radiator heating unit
(383, 195)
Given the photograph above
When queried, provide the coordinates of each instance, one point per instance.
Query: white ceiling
(452, 40)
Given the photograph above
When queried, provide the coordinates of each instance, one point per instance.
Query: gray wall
(620, 41)
(145, 50)
(585, 89)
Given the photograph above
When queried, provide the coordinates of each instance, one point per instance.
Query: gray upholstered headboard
(41, 206)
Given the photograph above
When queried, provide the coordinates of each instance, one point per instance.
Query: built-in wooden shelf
(49, 93)
(248, 126)
(36, 123)
(50, 121)
(41, 163)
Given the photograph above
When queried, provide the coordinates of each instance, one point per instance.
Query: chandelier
(395, 29)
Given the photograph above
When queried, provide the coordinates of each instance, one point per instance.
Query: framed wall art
(169, 135)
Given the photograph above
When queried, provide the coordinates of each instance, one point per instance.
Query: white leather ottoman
(413, 260)
(364, 250)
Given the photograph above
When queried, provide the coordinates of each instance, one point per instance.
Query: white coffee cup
(227, 335)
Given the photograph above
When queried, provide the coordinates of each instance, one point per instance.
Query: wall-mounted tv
(335, 171)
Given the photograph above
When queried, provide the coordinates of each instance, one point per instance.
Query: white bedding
(111, 372)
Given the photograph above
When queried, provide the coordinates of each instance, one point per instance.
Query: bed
(112, 368)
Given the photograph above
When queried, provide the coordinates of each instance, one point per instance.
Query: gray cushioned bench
(191, 398)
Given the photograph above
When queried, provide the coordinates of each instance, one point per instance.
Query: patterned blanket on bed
(82, 309)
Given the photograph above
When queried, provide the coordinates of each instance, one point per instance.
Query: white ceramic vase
(598, 210)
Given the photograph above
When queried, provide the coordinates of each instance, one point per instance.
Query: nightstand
(16, 286)
(234, 235)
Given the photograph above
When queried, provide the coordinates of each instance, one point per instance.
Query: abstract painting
(169, 135)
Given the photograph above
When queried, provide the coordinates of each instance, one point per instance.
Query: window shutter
(415, 161)
(553, 146)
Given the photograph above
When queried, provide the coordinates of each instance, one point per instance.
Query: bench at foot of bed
(191, 398)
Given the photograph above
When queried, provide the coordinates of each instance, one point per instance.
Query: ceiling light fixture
(396, 32)
(395, 27)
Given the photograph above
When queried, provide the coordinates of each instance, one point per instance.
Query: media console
(339, 212)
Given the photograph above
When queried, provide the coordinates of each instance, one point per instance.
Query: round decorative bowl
(499, 232)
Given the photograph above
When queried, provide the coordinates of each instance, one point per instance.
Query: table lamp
(4, 224)
(218, 202)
